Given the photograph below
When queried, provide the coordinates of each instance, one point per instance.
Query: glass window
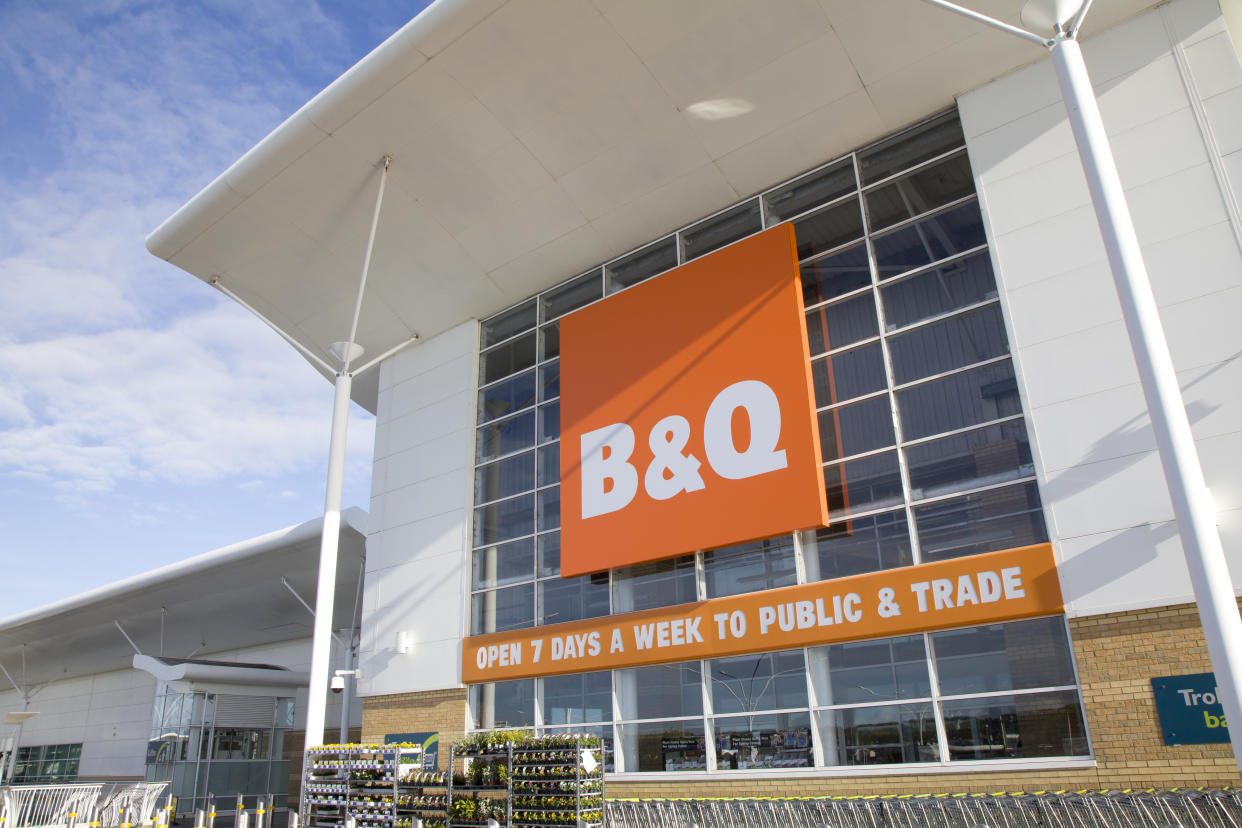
(572, 295)
(550, 380)
(945, 234)
(1016, 656)
(856, 545)
(919, 192)
(504, 520)
(972, 459)
(959, 400)
(856, 428)
(658, 584)
(549, 464)
(662, 691)
(549, 422)
(951, 343)
(909, 148)
(750, 567)
(781, 740)
(549, 554)
(549, 505)
(938, 290)
(885, 669)
(240, 743)
(811, 190)
(879, 735)
(502, 437)
(987, 521)
(829, 228)
(1015, 727)
(507, 563)
(839, 273)
(764, 681)
(509, 358)
(604, 732)
(641, 264)
(577, 698)
(504, 478)
(573, 599)
(503, 704)
(511, 608)
(839, 324)
(504, 325)
(848, 374)
(720, 230)
(549, 341)
(861, 485)
(502, 398)
(663, 746)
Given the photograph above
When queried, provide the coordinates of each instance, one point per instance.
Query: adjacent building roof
(532, 139)
(222, 600)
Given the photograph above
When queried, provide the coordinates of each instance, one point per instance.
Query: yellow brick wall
(442, 711)
(1118, 654)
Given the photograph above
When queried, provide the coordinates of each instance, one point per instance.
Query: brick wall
(1118, 654)
(443, 711)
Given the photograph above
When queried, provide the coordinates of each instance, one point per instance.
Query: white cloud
(114, 366)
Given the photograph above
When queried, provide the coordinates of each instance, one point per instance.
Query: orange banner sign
(688, 412)
(980, 589)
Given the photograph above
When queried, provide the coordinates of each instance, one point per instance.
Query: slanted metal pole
(325, 595)
(1192, 502)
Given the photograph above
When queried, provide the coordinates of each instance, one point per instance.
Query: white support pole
(325, 594)
(346, 694)
(1192, 503)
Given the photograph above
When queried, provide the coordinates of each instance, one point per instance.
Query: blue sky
(143, 417)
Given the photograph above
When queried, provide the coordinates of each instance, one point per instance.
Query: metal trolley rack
(371, 786)
(529, 782)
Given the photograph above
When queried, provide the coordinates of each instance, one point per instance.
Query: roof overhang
(215, 676)
(222, 600)
(534, 139)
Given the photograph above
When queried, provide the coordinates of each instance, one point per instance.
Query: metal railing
(1104, 809)
(102, 804)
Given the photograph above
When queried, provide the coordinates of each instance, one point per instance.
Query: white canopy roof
(222, 600)
(533, 139)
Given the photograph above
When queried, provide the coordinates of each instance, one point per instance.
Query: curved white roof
(533, 139)
(225, 599)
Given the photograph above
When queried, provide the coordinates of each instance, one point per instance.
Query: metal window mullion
(506, 540)
(499, 458)
(862, 455)
(871, 340)
(778, 711)
(886, 355)
(1030, 478)
(996, 694)
(1069, 645)
(953, 258)
(882, 703)
(838, 300)
(940, 435)
(508, 414)
(861, 398)
(932, 212)
(962, 370)
(709, 734)
(941, 317)
(906, 171)
(512, 337)
(933, 675)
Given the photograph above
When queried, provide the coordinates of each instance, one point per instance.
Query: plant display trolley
(526, 781)
(371, 786)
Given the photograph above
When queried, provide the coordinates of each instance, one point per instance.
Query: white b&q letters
(610, 481)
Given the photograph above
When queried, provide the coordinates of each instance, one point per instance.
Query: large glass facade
(926, 457)
(199, 751)
(46, 764)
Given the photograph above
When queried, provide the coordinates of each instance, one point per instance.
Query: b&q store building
(772, 414)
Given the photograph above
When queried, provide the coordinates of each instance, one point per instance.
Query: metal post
(1192, 502)
(349, 683)
(211, 811)
(321, 642)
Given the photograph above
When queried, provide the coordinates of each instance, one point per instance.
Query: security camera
(337, 684)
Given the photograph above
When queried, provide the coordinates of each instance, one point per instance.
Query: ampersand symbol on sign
(888, 605)
(667, 440)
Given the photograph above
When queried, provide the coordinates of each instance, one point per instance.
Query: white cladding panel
(420, 514)
(108, 713)
(1169, 85)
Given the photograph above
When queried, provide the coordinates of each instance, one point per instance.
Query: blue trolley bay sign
(1190, 712)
